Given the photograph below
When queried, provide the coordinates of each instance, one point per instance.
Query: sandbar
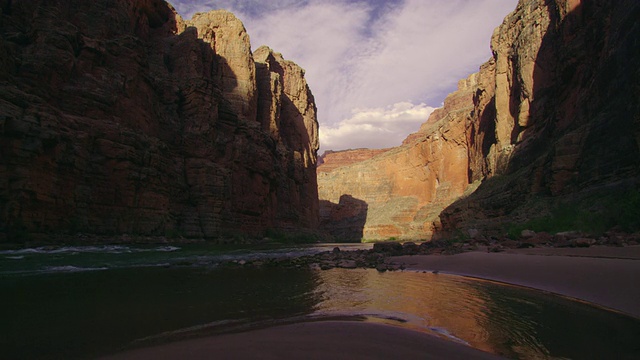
(314, 340)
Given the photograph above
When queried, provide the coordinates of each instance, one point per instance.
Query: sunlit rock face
(335, 159)
(553, 114)
(405, 188)
(119, 117)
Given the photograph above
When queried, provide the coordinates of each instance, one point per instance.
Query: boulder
(583, 242)
(388, 247)
(410, 248)
(527, 234)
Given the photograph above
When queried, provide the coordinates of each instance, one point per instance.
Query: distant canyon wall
(119, 117)
(555, 112)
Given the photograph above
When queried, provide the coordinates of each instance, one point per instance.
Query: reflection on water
(443, 304)
(510, 321)
(85, 314)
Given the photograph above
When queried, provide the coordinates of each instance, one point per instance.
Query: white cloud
(324, 40)
(189, 7)
(375, 127)
(371, 54)
(422, 50)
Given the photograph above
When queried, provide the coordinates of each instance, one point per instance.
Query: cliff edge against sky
(552, 119)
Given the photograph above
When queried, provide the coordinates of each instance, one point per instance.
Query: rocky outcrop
(552, 118)
(118, 117)
(293, 122)
(235, 69)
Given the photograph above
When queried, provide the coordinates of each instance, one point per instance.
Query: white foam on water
(448, 335)
(21, 251)
(108, 249)
(165, 249)
(69, 268)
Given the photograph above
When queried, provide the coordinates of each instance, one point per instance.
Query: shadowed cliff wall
(118, 117)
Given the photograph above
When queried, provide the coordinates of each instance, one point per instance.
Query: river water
(83, 302)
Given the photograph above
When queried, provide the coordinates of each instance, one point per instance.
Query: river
(84, 302)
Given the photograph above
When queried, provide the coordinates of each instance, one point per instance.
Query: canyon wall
(405, 188)
(553, 116)
(119, 117)
(334, 159)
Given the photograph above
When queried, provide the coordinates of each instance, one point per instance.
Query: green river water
(84, 302)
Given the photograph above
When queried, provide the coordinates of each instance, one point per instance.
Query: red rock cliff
(331, 160)
(554, 114)
(118, 117)
(405, 188)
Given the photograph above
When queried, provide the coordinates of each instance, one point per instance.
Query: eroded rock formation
(119, 117)
(553, 115)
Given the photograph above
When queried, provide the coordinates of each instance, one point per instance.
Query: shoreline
(604, 276)
(313, 340)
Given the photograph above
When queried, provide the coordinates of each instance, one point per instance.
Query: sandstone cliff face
(331, 160)
(405, 188)
(118, 117)
(567, 114)
(292, 121)
(235, 67)
(554, 114)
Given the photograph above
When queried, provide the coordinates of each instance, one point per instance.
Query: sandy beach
(314, 340)
(604, 276)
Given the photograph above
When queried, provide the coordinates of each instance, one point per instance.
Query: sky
(376, 68)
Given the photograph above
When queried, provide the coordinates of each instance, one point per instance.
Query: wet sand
(314, 340)
(606, 276)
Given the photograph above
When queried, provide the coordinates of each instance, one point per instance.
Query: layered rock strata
(405, 188)
(331, 160)
(119, 117)
(553, 115)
